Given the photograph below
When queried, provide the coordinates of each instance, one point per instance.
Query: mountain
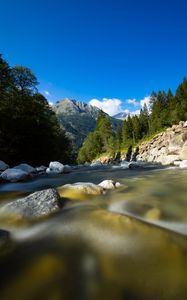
(78, 119)
(120, 116)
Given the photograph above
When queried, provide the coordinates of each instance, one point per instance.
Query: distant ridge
(120, 116)
(78, 119)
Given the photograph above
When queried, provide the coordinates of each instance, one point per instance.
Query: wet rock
(134, 165)
(41, 170)
(35, 205)
(153, 214)
(124, 164)
(3, 166)
(67, 169)
(96, 164)
(26, 168)
(109, 184)
(14, 175)
(55, 167)
(79, 190)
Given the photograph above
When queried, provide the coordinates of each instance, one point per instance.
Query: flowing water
(130, 243)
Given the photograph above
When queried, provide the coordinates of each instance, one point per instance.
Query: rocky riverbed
(78, 236)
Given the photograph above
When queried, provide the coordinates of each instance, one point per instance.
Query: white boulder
(55, 167)
(3, 166)
(14, 175)
(109, 184)
(183, 164)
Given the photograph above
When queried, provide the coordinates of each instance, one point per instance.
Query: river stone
(109, 184)
(35, 205)
(3, 166)
(26, 168)
(79, 190)
(14, 175)
(41, 170)
(55, 167)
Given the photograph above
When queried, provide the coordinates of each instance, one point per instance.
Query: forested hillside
(78, 119)
(165, 110)
(29, 130)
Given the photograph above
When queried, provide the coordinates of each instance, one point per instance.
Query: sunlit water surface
(130, 243)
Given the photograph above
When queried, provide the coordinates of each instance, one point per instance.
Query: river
(129, 244)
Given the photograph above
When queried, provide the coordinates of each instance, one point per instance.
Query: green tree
(24, 80)
(144, 121)
(118, 137)
(29, 130)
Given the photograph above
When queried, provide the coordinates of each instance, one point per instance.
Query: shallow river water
(129, 244)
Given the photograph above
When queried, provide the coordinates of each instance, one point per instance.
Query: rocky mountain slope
(167, 147)
(78, 119)
(121, 116)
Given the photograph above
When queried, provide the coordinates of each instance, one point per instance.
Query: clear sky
(114, 50)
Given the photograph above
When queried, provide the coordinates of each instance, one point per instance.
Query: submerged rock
(55, 167)
(35, 205)
(14, 175)
(79, 190)
(3, 166)
(153, 214)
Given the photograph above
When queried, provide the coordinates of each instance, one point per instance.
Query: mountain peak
(78, 119)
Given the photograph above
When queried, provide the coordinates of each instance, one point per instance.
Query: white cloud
(110, 106)
(133, 101)
(136, 112)
(50, 103)
(145, 100)
(47, 93)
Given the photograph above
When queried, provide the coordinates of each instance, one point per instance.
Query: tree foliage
(165, 110)
(29, 130)
(99, 141)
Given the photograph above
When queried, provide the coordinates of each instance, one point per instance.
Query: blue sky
(117, 50)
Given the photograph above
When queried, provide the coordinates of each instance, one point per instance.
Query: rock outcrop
(166, 147)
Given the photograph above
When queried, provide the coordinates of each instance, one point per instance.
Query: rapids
(129, 244)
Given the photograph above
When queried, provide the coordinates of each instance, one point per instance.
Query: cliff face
(167, 147)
